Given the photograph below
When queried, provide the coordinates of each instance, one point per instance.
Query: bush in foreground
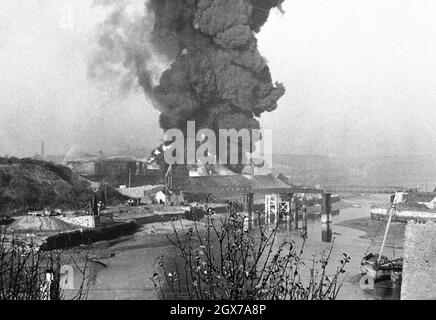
(27, 273)
(223, 261)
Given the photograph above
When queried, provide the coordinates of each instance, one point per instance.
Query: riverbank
(374, 230)
(48, 233)
(124, 267)
(75, 236)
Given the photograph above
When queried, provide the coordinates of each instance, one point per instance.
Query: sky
(360, 79)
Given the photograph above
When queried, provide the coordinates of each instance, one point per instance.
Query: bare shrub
(26, 273)
(221, 260)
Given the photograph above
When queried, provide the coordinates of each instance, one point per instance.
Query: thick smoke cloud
(217, 76)
(124, 52)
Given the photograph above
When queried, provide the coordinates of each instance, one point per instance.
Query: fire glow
(202, 147)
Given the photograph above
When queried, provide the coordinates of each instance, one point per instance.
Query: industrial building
(118, 171)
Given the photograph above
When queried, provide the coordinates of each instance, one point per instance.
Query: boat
(383, 268)
(396, 276)
(380, 267)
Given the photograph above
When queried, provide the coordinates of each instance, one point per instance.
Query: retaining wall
(69, 239)
(82, 221)
(419, 269)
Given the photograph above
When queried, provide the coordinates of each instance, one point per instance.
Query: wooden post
(288, 221)
(294, 212)
(268, 217)
(326, 218)
(326, 232)
(94, 204)
(304, 211)
(250, 205)
(244, 203)
(326, 208)
(277, 213)
(130, 178)
(105, 195)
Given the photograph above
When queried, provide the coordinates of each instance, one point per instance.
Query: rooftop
(242, 184)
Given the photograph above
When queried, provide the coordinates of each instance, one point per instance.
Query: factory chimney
(42, 150)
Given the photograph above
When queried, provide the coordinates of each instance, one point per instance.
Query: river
(126, 272)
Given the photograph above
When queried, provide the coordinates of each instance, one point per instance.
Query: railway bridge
(363, 189)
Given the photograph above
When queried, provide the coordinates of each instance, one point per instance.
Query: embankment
(69, 239)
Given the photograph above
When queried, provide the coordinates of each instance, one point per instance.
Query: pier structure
(276, 207)
(280, 198)
(326, 218)
(294, 216)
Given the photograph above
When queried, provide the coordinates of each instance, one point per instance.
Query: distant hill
(27, 184)
(402, 170)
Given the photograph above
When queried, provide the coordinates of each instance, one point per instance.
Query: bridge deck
(364, 189)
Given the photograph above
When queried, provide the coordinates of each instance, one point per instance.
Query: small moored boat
(380, 267)
(383, 268)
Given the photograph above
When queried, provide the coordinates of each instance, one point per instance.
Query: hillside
(412, 171)
(27, 184)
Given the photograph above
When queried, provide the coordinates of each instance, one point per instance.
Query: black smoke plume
(216, 77)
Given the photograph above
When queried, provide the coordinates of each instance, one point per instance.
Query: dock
(419, 269)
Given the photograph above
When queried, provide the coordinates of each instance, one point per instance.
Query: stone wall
(402, 216)
(63, 240)
(419, 269)
(82, 221)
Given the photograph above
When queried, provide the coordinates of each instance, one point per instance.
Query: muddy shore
(124, 267)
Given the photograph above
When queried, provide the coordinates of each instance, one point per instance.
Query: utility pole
(105, 194)
(130, 177)
(42, 149)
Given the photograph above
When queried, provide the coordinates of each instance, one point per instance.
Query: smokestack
(42, 150)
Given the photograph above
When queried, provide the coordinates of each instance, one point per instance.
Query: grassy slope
(27, 184)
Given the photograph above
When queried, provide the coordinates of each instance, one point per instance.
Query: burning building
(117, 171)
(216, 75)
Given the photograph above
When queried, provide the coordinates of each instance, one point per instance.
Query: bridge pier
(249, 205)
(304, 211)
(326, 208)
(326, 218)
(294, 211)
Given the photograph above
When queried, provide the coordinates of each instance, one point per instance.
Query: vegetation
(224, 261)
(27, 184)
(24, 270)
